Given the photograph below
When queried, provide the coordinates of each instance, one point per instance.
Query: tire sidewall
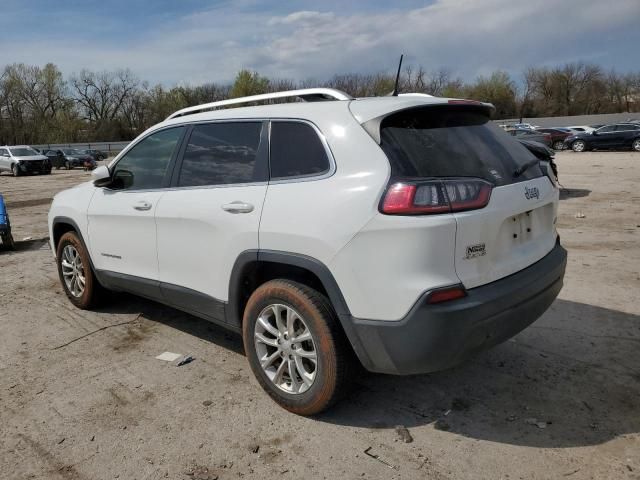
(276, 292)
(84, 301)
(634, 143)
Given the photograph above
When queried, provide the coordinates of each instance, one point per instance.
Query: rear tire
(558, 145)
(74, 270)
(282, 365)
(635, 145)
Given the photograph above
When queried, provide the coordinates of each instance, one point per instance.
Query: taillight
(435, 196)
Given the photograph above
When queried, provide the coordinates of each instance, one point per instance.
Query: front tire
(74, 269)
(295, 346)
(67, 165)
(635, 145)
(15, 170)
(579, 146)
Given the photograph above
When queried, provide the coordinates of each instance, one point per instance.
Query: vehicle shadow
(571, 379)
(566, 193)
(123, 303)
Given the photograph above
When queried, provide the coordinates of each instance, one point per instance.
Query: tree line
(39, 105)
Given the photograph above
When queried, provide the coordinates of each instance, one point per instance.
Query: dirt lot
(103, 407)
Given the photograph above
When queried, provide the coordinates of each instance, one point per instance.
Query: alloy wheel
(578, 146)
(285, 348)
(73, 271)
(636, 145)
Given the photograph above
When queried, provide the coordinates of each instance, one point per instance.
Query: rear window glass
(452, 142)
(296, 151)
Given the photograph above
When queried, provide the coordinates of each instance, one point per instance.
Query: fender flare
(70, 221)
(319, 269)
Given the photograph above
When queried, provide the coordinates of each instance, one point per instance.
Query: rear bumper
(435, 337)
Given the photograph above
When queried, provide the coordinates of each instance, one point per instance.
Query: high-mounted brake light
(436, 196)
(446, 294)
(464, 102)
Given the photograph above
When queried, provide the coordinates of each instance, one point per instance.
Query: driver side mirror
(101, 176)
(595, 132)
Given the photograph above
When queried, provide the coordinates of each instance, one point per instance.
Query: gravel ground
(560, 400)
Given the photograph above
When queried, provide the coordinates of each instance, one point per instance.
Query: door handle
(142, 205)
(237, 207)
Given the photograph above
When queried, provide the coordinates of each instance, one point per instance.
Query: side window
(222, 154)
(3, 152)
(145, 165)
(296, 151)
(607, 129)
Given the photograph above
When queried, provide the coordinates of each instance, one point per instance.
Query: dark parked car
(96, 154)
(70, 158)
(557, 136)
(531, 135)
(609, 137)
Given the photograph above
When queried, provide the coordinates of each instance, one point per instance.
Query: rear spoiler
(372, 127)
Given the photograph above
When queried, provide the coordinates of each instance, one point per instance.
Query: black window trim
(170, 167)
(304, 178)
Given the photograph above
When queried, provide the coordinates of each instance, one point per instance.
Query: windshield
(23, 152)
(453, 142)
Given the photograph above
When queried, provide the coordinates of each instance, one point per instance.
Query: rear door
(455, 146)
(212, 213)
(625, 134)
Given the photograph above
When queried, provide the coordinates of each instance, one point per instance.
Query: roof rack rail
(307, 94)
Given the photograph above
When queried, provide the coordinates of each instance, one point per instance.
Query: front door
(5, 160)
(211, 213)
(604, 137)
(122, 227)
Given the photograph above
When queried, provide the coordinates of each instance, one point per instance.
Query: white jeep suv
(404, 233)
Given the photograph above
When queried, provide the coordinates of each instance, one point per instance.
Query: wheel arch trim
(71, 222)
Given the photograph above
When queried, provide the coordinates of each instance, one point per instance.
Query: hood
(31, 157)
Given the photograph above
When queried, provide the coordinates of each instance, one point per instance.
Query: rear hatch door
(457, 141)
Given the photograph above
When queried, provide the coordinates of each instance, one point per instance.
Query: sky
(189, 42)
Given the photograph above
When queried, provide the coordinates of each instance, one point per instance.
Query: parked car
(70, 158)
(22, 160)
(531, 135)
(6, 238)
(545, 154)
(557, 136)
(96, 154)
(525, 126)
(274, 220)
(609, 137)
(581, 129)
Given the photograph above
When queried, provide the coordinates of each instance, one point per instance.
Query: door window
(296, 151)
(145, 165)
(607, 129)
(223, 154)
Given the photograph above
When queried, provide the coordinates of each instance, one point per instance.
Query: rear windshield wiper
(523, 168)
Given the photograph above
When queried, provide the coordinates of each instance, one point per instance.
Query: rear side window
(296, 151)
(452, 142)
(222, 154)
